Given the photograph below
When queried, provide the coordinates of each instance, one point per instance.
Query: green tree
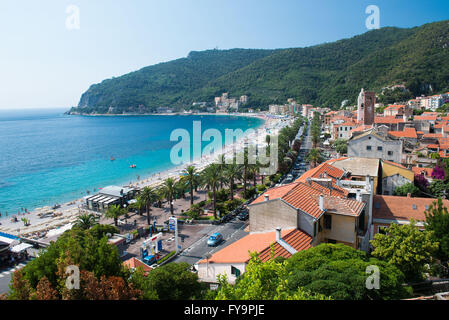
(191, 178)
(148, 196)
(211, 177)
(115, 212)
(341, 146)
(85, 221)
(314, 157)
(173, 281)
(437, 221)
(339, 271)
(263, 281)
(232, 173)
(168, 190)
(407, 248)
(405, 189)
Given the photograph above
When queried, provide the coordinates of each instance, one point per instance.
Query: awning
(7, 240)
(21, 247)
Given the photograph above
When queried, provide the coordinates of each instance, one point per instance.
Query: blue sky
(43, 64)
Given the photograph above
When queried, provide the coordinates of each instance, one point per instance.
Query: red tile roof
(427, 171)
(390, 119)
(239, 251)
(425, 118)
(401, 208)
(321, 171)
(433, 135)
(406, 133)
(135, 263)
(276, 192)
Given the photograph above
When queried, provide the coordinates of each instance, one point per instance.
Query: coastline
(47, 222)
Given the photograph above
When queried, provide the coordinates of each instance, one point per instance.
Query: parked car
(215, 239)
(243, 216)
(289, 178)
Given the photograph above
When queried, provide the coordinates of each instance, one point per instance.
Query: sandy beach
(48, 222)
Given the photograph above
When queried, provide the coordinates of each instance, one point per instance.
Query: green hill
(325, 74)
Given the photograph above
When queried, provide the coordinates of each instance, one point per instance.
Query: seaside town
(350, 184)
(223, 159)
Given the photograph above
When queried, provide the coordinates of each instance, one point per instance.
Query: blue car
(214, 239)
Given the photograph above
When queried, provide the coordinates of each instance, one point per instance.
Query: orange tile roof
(361, 128)
(323, 169)
(239, 251)
(406, 133)
(426, 171)
(420, 132)
(390, 119)
(432, 146)
(432, 135)
(394, 106)
(401, 208)
(134, 263)
(276, 192)
(425, 118)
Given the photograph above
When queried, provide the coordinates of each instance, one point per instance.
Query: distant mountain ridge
(324, 74)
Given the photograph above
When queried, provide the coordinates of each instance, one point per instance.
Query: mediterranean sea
(47, 157)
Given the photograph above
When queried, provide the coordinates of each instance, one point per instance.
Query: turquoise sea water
(47, 157)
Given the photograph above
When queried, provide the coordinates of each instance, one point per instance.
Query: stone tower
(365, 107)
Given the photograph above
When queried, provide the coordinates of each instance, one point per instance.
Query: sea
(47, 157)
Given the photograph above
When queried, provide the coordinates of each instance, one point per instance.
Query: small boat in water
(133, 166)
(112, 158)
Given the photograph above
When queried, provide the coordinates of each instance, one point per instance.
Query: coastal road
(231, 231)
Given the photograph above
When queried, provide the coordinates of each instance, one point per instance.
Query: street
(231, 231)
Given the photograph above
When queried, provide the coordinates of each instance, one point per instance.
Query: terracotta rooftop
(401, 208)
(276, 192)
(239, 251)
(406, 133)
(433, 135)
(391, 119)
(322, 171)
(134, 263)
(426, 171)
(426, 118)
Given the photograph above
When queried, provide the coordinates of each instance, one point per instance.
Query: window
(314, 229)
(379, 148)
(327, 221)
(382, 230)
(235, 271)
(390, 153)
(346, 128)
(368, 148)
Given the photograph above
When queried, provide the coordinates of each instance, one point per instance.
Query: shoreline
(47, 222)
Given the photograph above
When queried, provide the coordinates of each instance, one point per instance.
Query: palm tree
(191, 179)
(115, 212)
(139, 204)
(211, 177)
(314, 157)
(168, 190)
(148, 196)
(85, 221)
(231, 173)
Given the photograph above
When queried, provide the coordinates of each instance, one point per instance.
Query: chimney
(278, 234)
(267, 197)
(409, 195)
(321, 202)
(309, 181)
(284, 244)
(359, 195)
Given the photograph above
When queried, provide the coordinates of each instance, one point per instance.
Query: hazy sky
(45, 64)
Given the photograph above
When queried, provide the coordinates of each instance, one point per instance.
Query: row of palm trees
(213, 178)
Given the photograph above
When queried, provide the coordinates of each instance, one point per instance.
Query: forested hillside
(325, 74)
